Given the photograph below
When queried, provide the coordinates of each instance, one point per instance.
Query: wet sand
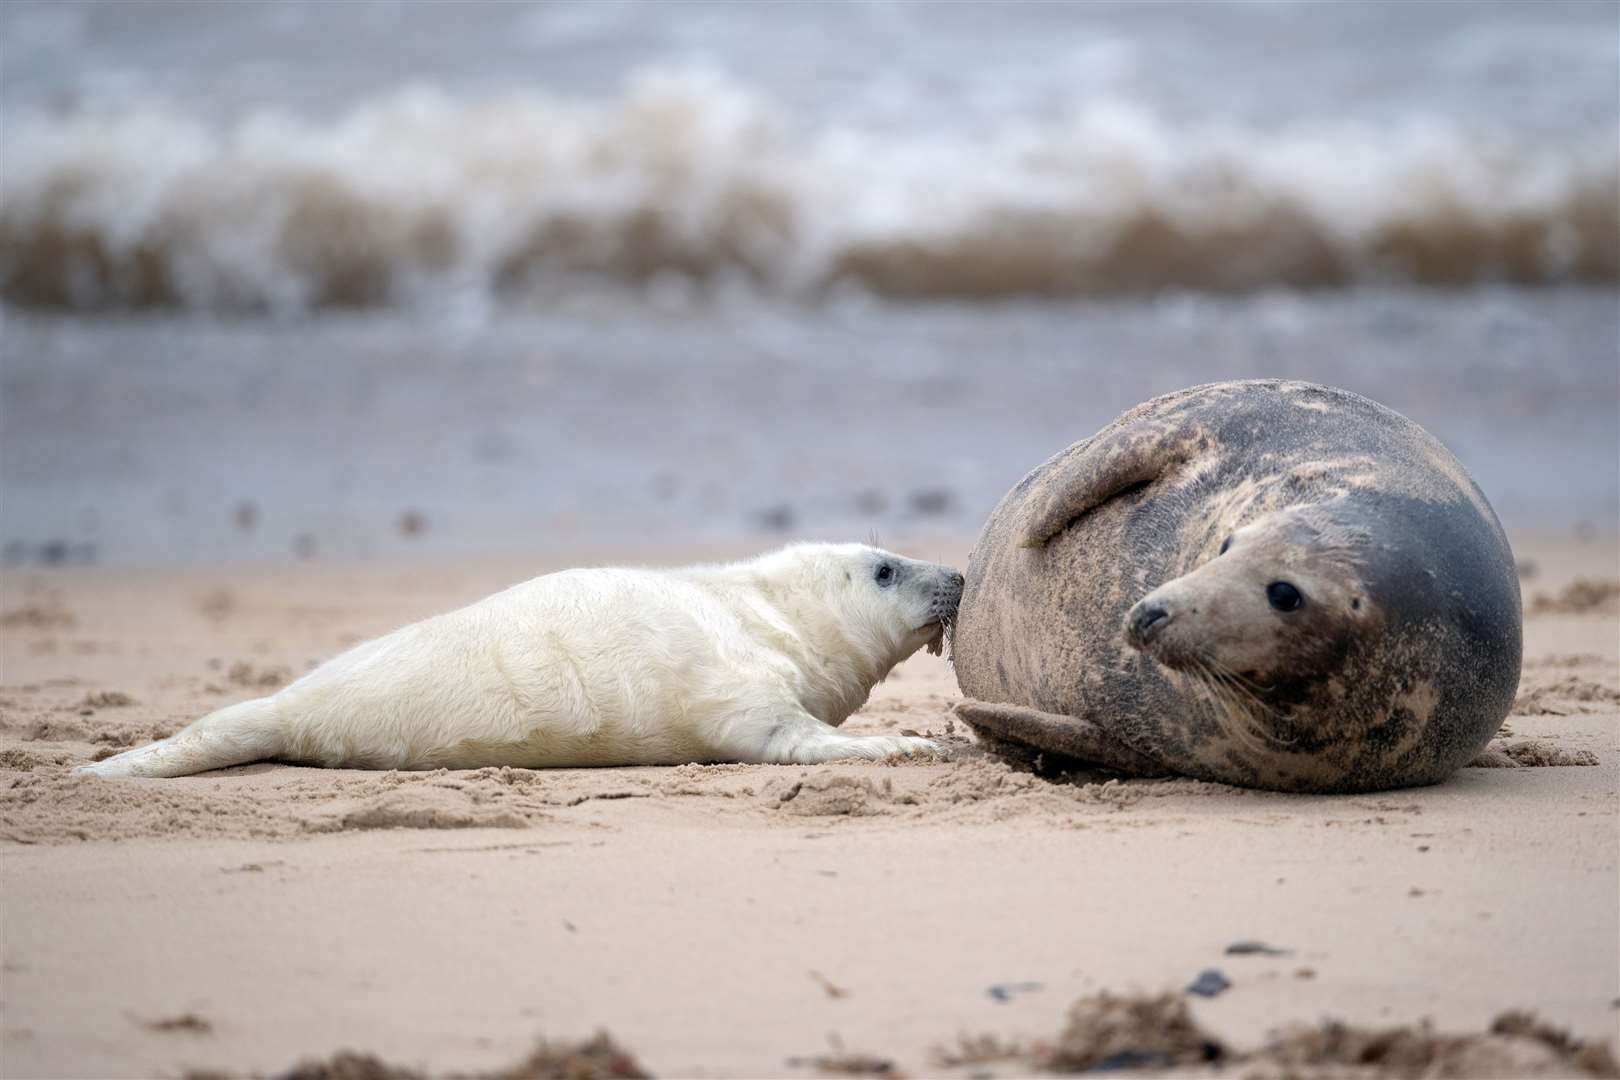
(723, 920)
(135, 440)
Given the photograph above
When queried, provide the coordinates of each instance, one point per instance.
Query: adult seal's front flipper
(1128, 454)
(1055, 734)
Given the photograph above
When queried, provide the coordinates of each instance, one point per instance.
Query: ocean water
(149, 438)
(344, 279)
(271, 156)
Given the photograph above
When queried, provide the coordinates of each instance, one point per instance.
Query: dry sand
(750, 920)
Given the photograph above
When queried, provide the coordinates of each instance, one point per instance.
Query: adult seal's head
(1320, 634)
(1273, 584)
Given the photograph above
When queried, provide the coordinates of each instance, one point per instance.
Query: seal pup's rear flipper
(1056, 734)
(235, 735)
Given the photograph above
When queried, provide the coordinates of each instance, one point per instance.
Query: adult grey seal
(1272, 584)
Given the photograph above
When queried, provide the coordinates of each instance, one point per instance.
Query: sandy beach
(317, 319)
(741, 920)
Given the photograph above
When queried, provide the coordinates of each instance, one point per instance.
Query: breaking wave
(415, 196)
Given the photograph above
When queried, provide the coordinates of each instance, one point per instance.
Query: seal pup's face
(1271, 616)
(885, 604)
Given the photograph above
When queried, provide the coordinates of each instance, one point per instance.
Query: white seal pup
(756, 661)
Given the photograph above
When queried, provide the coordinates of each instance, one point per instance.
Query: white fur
(756, 661)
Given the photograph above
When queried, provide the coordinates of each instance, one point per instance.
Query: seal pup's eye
(1284, 597)
(1224, 545)
(884, 574)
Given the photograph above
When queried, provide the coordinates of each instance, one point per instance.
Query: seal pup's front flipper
(1069, 736)
(794, 737)
(1130, 453)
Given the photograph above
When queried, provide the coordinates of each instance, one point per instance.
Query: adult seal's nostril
(1146, 621)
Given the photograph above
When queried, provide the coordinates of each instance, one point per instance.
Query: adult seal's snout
(1144, 622)
(1274, 584)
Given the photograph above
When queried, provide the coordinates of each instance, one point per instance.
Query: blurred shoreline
(614, 416)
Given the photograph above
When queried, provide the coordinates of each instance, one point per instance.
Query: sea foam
(415, 196)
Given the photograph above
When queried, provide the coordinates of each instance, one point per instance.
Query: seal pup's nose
(1145, 621)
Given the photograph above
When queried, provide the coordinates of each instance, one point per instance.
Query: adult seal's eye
(1284, 597)
(885, 574)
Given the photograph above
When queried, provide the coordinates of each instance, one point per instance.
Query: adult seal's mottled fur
(1273, 584)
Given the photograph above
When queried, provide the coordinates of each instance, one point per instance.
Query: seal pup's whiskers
(947, 628)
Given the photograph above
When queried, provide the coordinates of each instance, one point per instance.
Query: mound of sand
(46, 614)
(423, 807)
(1109, 1032)
(596, 1058)
(1583, 596)
(1530, 753)
(1516, 1045)
(1563, 695)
